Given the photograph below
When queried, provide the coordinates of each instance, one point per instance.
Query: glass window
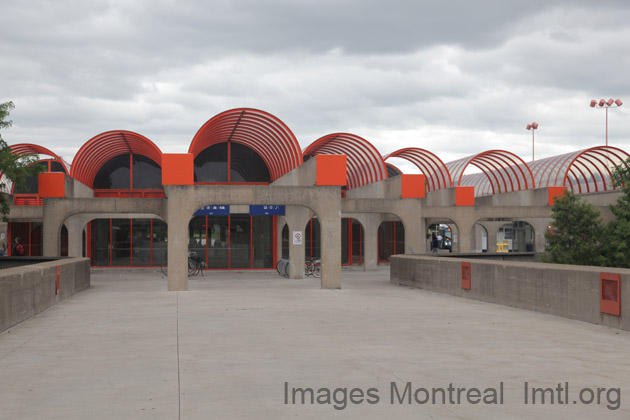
(160, 242)
(64, 241)
(121, 243)
(357, 242)
(141, 242)
(114, 174)
(146, 173)
(197, 236)
(31, 182)
(35, 245)
(56, 166)
(218, 236)
(285, 242)
(400, 238)
(345, 241)
(262, 241)
(211, 164)
(100, 242)
(312, 240)
(247, 165)
(240, 234)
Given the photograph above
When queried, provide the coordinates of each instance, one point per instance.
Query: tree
(577, 233)
(617, 232)
(15, 168)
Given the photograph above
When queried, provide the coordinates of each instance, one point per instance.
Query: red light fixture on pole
(533, 126)
(605, 104)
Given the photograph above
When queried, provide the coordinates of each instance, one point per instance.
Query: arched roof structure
(584, 171)
(258, 130)
(27, 148)
(364, 163)
(101, 148)
(503, 172)
(438, 175)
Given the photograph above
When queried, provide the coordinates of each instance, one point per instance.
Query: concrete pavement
(128, 349)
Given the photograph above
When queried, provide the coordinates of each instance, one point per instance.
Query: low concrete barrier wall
(564, 290)
(28, 290)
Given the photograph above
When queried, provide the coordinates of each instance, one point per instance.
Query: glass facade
(391, 240)
(32, 184)
(230, 162)
(117, 173)
(237, 241)
(127, 242)
(30, 234)
(312, 240)
(351, 242)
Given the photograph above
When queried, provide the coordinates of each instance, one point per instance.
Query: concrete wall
(28, 290)
(562, 290)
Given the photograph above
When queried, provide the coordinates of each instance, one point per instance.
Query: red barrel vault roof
(101, 148)
(432, 167)
(584, 171)
(365, 164)
(258, 130)
(27, 148)
(502, 171)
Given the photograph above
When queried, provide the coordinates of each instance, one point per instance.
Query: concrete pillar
(177, 246)
(297, 218)
(465, 237)
(330, 225)
(280, 222)
(51, 228)
(371, 223)
(75, 227)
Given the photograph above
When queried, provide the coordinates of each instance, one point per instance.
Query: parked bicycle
(313, 268)
(195, 265)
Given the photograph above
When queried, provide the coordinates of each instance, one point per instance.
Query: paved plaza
(239, 343)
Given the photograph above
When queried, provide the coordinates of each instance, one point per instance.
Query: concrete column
(177, 246)
(75, 227)
(330, 224)
(415, 231)
(492, 229)
(297, 218)
(466, 237)
(51, 228)
(280, 222)
(540, 228)
(371, 223)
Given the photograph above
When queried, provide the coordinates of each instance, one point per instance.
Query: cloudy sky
(456, 77)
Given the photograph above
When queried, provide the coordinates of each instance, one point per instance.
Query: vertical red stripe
(131, 171)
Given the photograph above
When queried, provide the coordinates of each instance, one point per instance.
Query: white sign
(297, 237)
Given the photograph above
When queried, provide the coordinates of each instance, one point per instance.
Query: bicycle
(313, 268)
(195, 265)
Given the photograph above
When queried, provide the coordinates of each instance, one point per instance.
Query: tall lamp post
(533, 126)
(605, 104)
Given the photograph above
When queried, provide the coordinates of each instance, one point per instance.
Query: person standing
(18, 248)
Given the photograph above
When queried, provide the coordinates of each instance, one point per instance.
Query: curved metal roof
(584, 171)
(503, 172)
(364, 163)
(438, 175)
(256, 129)
(27, 148)
(101, 148)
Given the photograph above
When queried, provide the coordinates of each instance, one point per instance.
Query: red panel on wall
(413, 186)
(466, 275)
(58, 279)
(51, 184)
(178, 169)
(555, 192)
(331, 169)
(610, 293)
(464, 196)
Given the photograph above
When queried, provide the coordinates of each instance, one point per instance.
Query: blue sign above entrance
(260, 210)
(214, 210)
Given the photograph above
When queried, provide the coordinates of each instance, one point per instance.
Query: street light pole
(533, 126)
(605, 105)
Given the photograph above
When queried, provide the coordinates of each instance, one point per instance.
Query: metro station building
(245, 195)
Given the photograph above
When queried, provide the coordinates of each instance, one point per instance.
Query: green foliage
(617, 232)
(577, 234)
(15, 168)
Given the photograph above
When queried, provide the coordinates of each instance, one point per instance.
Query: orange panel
(51, 184)
(331, 169)
(413, 186)
(178, 169)
(610, 293)
(555, 192)
(464, 196)
(466, 275)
